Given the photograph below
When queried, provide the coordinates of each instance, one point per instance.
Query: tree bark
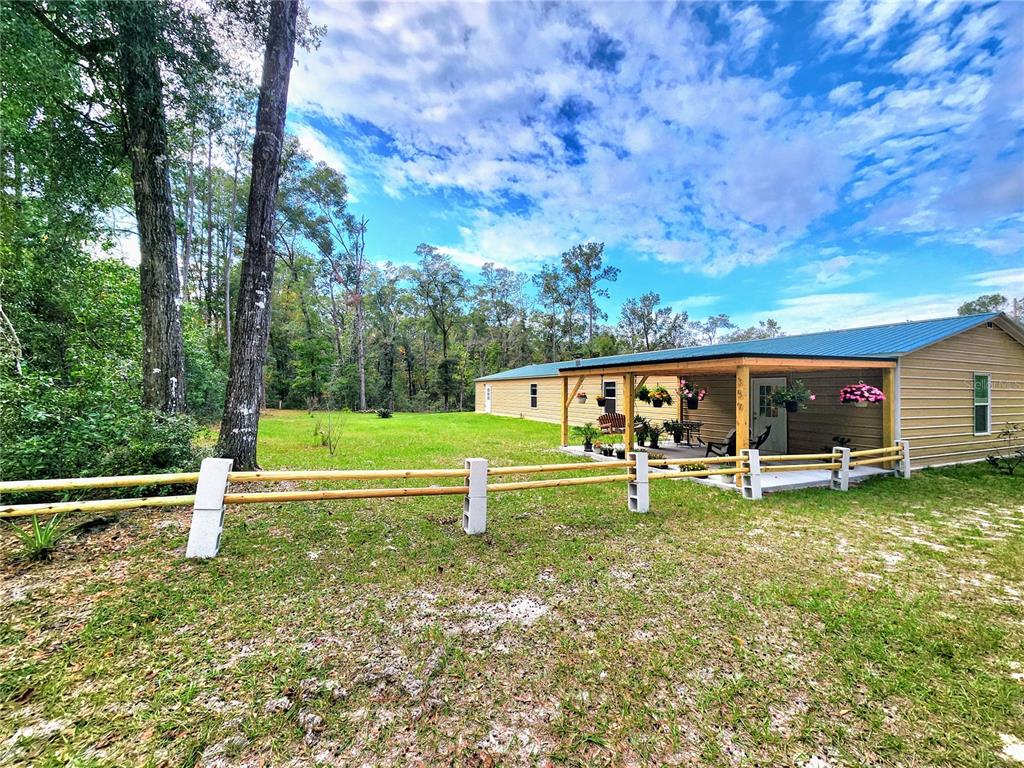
(229, 253)
(163, 354)
(240, 425)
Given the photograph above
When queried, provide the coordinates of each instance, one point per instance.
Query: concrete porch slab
(770, 481)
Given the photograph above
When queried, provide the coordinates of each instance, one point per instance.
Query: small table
(691, 428)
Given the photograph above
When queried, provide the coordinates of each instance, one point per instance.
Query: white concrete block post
(903, 467)
(751, 484)
(841, 477)
(474, 505)
(638, 496)
(208, 511)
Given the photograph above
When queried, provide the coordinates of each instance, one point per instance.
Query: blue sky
(825, 164)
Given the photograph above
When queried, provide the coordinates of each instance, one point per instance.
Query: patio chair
(763, 437)
(725, 447)
(612, 423)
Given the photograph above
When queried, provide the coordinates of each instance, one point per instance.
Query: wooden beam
(888, 409)
(729, 365)
(742, 411)
(640, 383)
(630, 395)
(565, 411)
(575, 390)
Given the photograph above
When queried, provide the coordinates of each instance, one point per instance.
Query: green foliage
(39, 541)
(643, 393)
(587, 432)
(384, 413)
(797, 392)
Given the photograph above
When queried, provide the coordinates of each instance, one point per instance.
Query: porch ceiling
(730, 365)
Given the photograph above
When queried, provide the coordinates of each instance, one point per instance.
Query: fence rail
(215, 476)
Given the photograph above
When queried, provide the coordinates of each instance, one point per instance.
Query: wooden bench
(612, 423)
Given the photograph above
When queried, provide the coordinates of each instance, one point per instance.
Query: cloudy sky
(825, 164)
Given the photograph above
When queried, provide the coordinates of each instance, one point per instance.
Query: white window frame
(534, 395)
(613, 396)
(987, 403)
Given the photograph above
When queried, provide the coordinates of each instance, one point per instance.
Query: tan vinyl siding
(812, 430)
(937, 395)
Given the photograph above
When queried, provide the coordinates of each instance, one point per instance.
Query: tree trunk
(190, 191)
(163, 354)
(240, 425)
(209, 228)
(361, 351)
(228, 253)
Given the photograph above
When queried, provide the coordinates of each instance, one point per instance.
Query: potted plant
(581, 397)
(643, 394)
(620, 450)
(640, 426)
(587, 433)
(675, 428)
(600, 400)
(660, 396)
(692, 393)
(653, 433)
(793, 396)
(608, 450)
(861, 394)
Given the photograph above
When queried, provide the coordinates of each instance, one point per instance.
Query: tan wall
(937, 395)
(812, 430)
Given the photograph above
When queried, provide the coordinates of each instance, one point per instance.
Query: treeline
(129, 118)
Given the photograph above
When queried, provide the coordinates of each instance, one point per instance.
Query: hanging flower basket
(860, 395)
(793, 397)
(692, 392)
(581, 397)
(660, 396)
(600, 400)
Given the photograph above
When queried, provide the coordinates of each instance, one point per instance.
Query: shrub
(39, 541)
(1011, 456)
(384, 413)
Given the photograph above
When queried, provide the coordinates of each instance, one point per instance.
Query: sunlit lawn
(882, 626)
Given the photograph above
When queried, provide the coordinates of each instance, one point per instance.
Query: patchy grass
(878, 627)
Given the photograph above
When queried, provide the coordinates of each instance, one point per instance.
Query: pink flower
(814, 397)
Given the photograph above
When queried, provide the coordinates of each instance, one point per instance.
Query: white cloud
(706, 160)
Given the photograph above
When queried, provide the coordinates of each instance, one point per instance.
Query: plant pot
(581, 398)
(653, 445)
(588, 448)
(861, 404)
(657, 403)
(640, 441)
(608, 452)
(600, 401)
(620, 454)
(792, 406)
(692, 403)
(677, 437)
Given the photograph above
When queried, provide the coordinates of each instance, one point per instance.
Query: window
(533, 395)
(982, 403)
(765, 406)
(609, 397)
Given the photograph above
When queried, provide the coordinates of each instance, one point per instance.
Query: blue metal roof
(882, 342)
(538, 371)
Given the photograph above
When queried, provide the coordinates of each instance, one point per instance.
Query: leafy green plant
(794, 396)
(587, 433)
(653, 433)
(39, 541)
(384, 413)
(643, 393)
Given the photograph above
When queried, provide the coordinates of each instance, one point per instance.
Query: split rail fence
(215, 476)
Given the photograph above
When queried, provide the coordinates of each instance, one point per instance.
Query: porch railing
(215, 476)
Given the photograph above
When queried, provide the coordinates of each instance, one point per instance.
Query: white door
(763, 413)
(487, 398)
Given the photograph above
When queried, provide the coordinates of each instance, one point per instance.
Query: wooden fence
(215, 476)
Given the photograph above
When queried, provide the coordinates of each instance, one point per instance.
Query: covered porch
(739, 398)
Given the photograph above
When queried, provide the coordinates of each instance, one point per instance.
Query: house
(950, 386)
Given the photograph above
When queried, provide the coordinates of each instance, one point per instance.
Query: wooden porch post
(742, 411)
(888, 409)
(629, 394)
(565, 411)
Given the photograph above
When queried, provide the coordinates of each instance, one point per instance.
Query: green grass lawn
(884, 626)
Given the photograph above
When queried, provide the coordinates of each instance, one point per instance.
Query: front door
(764, 413)
(487, 398)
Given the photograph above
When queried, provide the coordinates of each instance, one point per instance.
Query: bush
(384, 413)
